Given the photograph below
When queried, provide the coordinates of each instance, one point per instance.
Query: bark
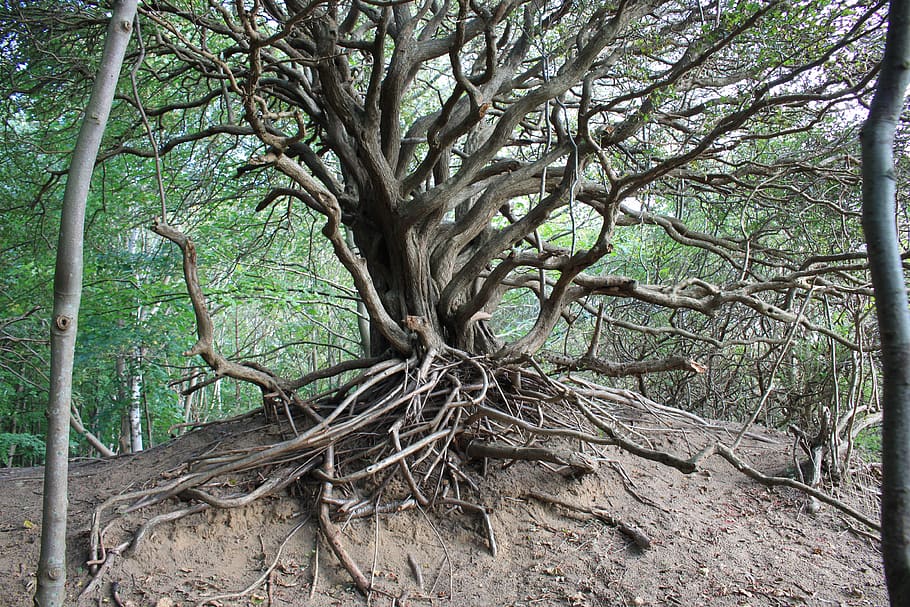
(67, 295)
(135, 412)
(879, 191)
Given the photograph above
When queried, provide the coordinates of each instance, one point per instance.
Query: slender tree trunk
(879, 224)
(135, 412)
(67, 294)
(123, 441)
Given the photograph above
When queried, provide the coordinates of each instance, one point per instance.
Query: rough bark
(67, 295)
(879, 191)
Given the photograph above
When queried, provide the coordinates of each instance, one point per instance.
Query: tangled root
(417, 422)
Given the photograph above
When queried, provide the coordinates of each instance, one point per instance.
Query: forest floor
(717, 538)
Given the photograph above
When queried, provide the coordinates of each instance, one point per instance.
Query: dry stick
(772, 481)
(784, 350)
(634, 533)
(263, 577)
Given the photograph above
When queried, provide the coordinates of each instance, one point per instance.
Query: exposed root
(398, 435)
(331, 532)
(638, 537)
(777, 481)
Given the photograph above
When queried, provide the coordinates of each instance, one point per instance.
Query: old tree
(516, 187)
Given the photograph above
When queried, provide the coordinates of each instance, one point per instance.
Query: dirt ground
(716, 538)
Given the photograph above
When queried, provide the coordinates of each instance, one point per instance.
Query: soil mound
(633, 533)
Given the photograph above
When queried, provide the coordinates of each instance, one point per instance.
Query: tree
(67, 294)
(492, 176)
(446, 139)
(879, 193)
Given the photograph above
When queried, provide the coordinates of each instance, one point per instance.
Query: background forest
(766, 220)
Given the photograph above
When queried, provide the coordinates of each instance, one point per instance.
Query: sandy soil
(717, 538)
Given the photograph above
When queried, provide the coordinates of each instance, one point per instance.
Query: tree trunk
(67, 294)
(880, 227)
(135, 411)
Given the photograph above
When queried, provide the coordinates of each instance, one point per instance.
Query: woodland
(420, 233)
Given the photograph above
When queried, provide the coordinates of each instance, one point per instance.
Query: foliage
(870, 443)
(25, 447)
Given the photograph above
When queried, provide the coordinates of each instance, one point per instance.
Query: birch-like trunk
(67, 295)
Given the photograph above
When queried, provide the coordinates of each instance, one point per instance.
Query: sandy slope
(717, 539)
